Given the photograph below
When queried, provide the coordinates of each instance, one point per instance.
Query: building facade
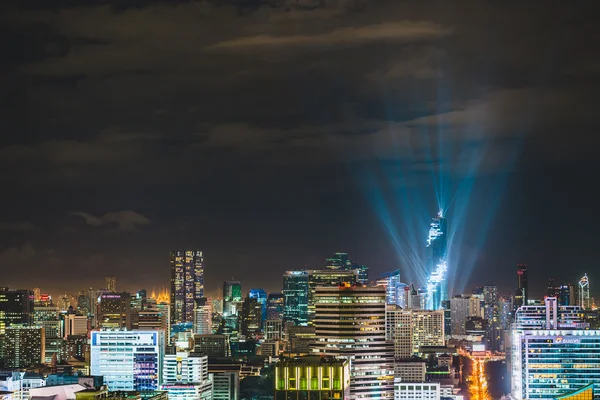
(128, 360)
(350, 323)
(185, 376)
(24, 346)
(187, 284)
(295, 293)
(317, 378)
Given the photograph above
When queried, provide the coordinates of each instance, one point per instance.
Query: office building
(273, 329)
(327, 278)
(16, 307)
(203, 317)
(232, 298)
(226, 383)
(251, 317)
(317, 378)
(416, 391)
(522, 292)
(549, 363)
(261, 296)
(77, 347)
(128, 360)
(462, 307)
(114, 311)
(275, 306)
(399, 331)
(74, 325)
(46, 315)
(295, 293)
(212, 345)
(410, 370)
(550, 316)
(185, 376)
(24, 346)
(408, 330)
(395, 291)
(300, 338)
(428, 328)
(187, 284)
(340, 261)
(350, 322)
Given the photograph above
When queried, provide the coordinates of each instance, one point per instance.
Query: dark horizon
(270, 136)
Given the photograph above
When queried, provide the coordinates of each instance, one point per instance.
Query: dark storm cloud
(250, 121)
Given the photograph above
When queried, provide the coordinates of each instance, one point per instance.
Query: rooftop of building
(311, 360)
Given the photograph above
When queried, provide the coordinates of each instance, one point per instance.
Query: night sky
(270, 134)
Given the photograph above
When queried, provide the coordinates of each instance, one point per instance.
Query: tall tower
(584, 292)
(187, 284)
(232, 298)
(437, 264)
(522, 293)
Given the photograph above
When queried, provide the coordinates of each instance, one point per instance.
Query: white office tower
(185, 377)
(350, 323)
(416, 391)
(553, 352)
(128, 360)
(411, 329)
(203, 317)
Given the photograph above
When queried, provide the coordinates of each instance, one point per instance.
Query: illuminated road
(478, 385)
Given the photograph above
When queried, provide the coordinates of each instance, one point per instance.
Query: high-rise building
(275, 306)
(16, 307)
(273, 329)
(312, 377)
(327, 278)
(428, 328)
(408, 330)
(74, 325)
(114, 311)
(187, 284)
(128, 360)
(462, 307)
(185, 376)
(251, 317)
(83, 304)
(410, 370)
(522, 292)
(24, 346)
(212, 345)
(553, 353)
(46, 315)
(395, 291)
(232, 298)
(437, 264)
(584, 293)
(111, 284)
(300, 339)
(340, 261)
(226, 383)
(350, 322)
(203, 317)
(295, 293)
(261, 296)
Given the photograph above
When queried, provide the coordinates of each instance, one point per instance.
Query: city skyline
(310, 128)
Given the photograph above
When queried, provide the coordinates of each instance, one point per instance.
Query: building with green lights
(312, 377)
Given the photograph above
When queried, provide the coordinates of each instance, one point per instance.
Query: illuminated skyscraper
(24, 346)
(330, 278)
(395, 290)
(275, 306)
(340, 261)
(261, 296)
(232, 298)
(114, 311)
(16, 307)
(295, 293)
(437, 264)
(187, 284)
(584, 293)
(203, 317)
(522, 292)
(350, 323)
